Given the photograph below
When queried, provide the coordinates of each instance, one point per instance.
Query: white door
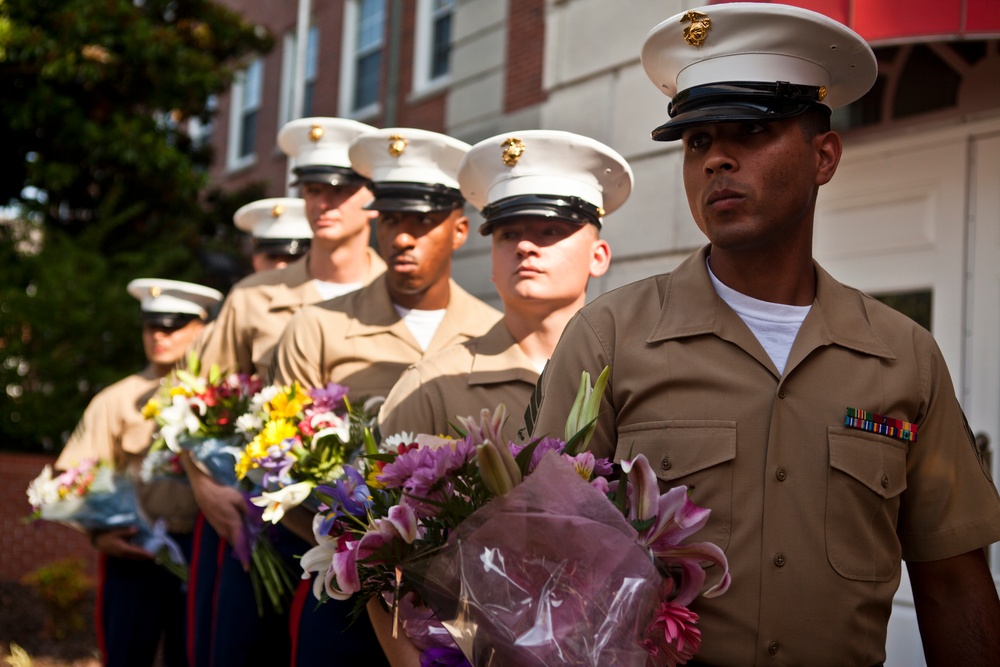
(981, 397)
(918, 217)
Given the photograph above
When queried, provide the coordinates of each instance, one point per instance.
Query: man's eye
(697, 141)
(754, 128)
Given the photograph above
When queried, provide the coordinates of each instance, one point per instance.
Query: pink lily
(675, 518)
(401, 523)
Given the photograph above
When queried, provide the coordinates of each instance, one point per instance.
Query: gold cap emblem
(315, 133)
(696, 33)
(277, 211)
(600, 211)
(155, 291)
(822, 93)
(513, 149)
(397, 144)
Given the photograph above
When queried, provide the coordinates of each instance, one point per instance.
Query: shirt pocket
(867, 475)
(695, 453)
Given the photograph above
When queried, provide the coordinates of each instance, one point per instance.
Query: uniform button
(779, 560)
(885, 481)
(772, 648)
(781, 393)
(780, 474)
(666, 463)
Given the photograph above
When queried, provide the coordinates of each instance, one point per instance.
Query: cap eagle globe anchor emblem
(155, 291)
(513, 149)
(696, 33)
(316, 133)
(397, 144)
(277, 211)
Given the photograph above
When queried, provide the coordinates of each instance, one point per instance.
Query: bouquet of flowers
(299, 442)
(483, 549)
(198, 415)
(93, 497)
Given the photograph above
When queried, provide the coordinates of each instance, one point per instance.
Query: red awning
(895, 21)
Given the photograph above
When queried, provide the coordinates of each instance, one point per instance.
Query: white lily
(178, 419)
(276, 503)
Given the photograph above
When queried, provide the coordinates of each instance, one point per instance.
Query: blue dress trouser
(139, 604)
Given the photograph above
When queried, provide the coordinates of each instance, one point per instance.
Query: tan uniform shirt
(255, 313)
(461, 381)
(813, 516)
(360, 341)
(114, 429)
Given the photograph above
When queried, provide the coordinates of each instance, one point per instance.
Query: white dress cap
(547, 173)
(174, 297)
(317, 147)
(410, 169)
(276, 218)
(754, 43)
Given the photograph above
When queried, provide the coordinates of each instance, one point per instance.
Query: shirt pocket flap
(679, 448)
(876, 461)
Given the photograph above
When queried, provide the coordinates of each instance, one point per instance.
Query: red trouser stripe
(302, 593)
(192, 596)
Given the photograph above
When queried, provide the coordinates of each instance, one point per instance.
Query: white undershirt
(774, 324)
(423, 324)
(329, 291)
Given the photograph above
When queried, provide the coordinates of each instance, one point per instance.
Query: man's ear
(828, 151)
(600, 258)
(461, 232)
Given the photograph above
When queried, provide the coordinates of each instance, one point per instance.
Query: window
(433, 43)
(246, 98)
(288, 75)
(364, 38)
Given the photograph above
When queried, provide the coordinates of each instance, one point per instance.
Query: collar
(297, 290)
(373, 313)
(691, 307)
(497, 358)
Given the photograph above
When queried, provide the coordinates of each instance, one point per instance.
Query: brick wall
(26, 547)
(525, 54)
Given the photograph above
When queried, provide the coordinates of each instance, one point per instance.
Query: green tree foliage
(104, 185)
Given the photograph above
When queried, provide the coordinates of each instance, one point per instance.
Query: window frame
(288, 74)
(350, 58)
(238, 111)
(423, 49)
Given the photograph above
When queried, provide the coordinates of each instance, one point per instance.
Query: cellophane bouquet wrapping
(94, 497)
(539, 577)
(299, 441)
(526, 555)
(200, 416)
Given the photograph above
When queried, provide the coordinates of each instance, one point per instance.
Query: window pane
(443, 5)
(247, 131)
(915, 305)
(252, 85)
(370, 24)
(312, 54)
(307, 98)
(366, 81)
(441, 47)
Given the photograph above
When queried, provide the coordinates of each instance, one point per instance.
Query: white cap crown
(275, 218)
(157, 295)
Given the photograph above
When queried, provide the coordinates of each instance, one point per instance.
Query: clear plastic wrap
(549, 574)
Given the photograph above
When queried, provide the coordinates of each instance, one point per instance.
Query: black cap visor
(566, 209)
(328, 175)
(170, 321)
(284, 247)
(737, 102)
(414, 198)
